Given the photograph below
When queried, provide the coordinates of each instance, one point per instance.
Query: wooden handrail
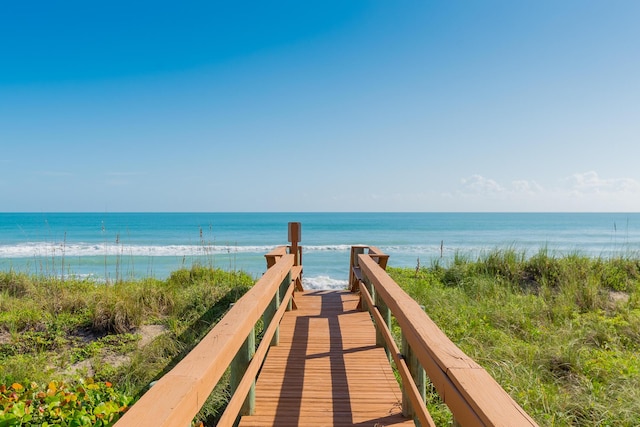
(354, 268)
(409, 386)
(378, 256)
(472, 395)
(235, 404)
(178, 396)
(274, 255)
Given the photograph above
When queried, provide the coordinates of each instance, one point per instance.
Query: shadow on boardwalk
(327, 369)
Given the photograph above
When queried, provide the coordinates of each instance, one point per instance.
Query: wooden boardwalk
(327, 370)
(323, 368)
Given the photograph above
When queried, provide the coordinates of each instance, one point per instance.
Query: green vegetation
(88, 403)
(560, 334)
(70, 333)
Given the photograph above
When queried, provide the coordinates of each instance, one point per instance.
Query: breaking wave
(323, 282)
(35, 249)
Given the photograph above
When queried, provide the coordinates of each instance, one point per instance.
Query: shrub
(15, 284)
(112, 314)
(543, 269)
(502, 263)
(87, 403)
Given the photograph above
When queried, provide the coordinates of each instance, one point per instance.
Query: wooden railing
(472, 395)
(178, 396)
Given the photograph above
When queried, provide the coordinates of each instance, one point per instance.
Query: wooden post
(283, 290)
(419, 378)
(239, 367)
(269, 312)
(363, 305)
(295, 234)
(353, 264)
(386, 315)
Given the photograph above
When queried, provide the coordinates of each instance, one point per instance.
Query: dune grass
(67, 330)
(560, 334)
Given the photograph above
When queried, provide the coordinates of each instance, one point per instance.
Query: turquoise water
(135, 245)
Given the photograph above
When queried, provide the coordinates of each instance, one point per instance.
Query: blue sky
(320, 106)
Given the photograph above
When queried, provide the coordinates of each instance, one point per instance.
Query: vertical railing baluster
(419, 378)
(239, 367)
(355, 251)
(386, 315)
(283, 290)
(407, 411)
(372, 292)
(269, 312)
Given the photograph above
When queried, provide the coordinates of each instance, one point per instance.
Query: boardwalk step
(334, 375)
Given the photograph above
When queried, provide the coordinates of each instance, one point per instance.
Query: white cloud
(590, 182)
(527, 187)
(579, 192)
(479, 185)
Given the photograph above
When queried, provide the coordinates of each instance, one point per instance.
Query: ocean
(111, 246)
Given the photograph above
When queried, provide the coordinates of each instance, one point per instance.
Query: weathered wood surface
(275, 254)
(378, 256)
(327, 370)
(296, 276)
(473, 396)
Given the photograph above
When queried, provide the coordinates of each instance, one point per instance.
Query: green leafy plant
(88, 403)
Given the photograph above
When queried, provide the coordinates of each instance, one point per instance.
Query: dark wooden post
(354, 267)
(295, 231)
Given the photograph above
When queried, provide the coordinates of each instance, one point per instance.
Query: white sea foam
(36, 249)
(323, 282)
(71, 249)
(326, 248)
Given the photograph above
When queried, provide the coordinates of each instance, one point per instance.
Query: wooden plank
(296, 276)
(379, 257)
(497, 409)
(357, 273)
(275, 254)
(327, 369)
(325, 420)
